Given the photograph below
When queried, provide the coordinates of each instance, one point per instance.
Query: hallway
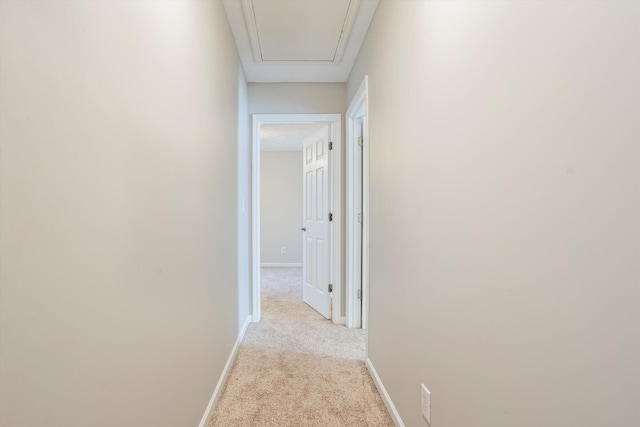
(500, 213)
(295, 368)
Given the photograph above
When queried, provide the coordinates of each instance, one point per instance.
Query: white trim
(352, 14)
(278, 71)
(255, 219)
(204, 422)
(281, 264)
(339, 320)
(359, 108)
(395, 415)
(335, 122)
(252, 29)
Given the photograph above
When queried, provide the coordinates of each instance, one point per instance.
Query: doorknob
(304, 229)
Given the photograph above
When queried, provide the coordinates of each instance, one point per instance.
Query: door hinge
(330, 145)
(330, 287)
(359, 293)
(330, 217)
(360, 141)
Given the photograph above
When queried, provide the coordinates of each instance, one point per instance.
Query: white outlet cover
(426, 404)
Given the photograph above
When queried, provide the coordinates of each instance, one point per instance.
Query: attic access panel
(300, 30)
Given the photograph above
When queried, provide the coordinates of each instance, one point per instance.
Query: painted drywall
(118, 167)
(505, 241)
(303, 98)
(296, 98)
(244, 200)
(281, 206)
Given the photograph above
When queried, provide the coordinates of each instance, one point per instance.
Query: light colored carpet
(295, 368)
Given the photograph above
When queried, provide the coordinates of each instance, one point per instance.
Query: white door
(316, 228)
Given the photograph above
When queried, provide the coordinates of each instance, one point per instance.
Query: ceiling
(286, 137)
(299, 40)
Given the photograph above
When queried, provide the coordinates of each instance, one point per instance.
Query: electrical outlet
(283, 250)
(426, 404)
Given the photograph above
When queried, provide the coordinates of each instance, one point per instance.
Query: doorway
(331, 271)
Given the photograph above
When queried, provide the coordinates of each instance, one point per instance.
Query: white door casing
(359, 220)
(316, 222)
(357, 210)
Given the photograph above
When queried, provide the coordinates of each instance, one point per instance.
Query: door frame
(359, 108)
(335, 185)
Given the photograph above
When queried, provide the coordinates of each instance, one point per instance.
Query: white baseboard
(223, 377)
(395, 416)
(282, 264)
(341, 320)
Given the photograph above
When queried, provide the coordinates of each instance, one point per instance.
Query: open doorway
(319, 156)
(294, 210)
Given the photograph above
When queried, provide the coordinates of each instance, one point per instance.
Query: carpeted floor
(296, 368)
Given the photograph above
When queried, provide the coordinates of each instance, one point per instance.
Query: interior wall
(119, 170)
(281, 206)
(505, 241)
(304, 98)
(244, 201)
(296, 98)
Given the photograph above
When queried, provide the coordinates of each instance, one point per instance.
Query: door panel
(320, 196)
(315, 217)
(307, 199)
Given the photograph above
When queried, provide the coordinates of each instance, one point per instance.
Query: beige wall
(296, 98)
(281, 210)
(244, 202)
(505, 246)
(118, 123)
